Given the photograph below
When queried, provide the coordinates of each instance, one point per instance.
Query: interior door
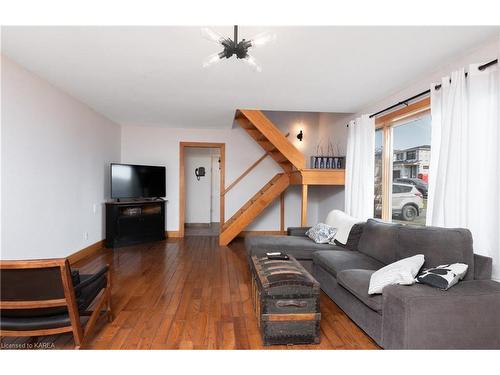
(215, 191)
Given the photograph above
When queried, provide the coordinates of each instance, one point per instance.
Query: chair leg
(108, 303)
(78, 338)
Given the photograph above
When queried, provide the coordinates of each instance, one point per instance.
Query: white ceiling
(153, 75)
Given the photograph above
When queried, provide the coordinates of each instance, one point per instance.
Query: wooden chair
(44, 297)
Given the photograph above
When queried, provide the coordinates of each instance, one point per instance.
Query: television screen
(137, 181)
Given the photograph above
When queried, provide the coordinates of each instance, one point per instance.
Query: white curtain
(360, 165)
(464, 180)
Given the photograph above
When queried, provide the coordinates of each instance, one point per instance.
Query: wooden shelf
(318, 177)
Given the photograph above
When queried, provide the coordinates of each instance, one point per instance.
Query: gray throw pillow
(321, 233)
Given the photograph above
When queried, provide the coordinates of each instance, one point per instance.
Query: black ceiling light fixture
(233, 47)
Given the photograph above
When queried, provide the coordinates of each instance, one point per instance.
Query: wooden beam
(290, 317)
(303, 213)
(386, 174)
(222, 183)
(318, 177)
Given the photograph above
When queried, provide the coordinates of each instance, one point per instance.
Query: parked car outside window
(420, 184)
(407, 202)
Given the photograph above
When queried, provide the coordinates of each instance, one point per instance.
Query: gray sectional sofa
(467, 316)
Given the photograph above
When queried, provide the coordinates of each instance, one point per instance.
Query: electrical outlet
(85, 235)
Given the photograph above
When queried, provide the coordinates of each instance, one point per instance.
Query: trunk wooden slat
(286, 301)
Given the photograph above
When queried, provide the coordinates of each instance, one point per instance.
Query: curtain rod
(437, 87)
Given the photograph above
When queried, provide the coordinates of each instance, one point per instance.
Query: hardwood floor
(190, 294)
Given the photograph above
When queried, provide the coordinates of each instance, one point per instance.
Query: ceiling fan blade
(211, 60)
(262, 39)
(211, 35)
(250, 60)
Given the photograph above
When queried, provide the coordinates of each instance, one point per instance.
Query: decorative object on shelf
(233, 47)
(300, 136)
(328, 159)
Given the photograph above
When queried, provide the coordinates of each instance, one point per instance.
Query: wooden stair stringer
(270, 138)
(253, 208)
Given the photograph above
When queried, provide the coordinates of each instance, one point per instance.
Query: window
(411, 155)
(402, 158)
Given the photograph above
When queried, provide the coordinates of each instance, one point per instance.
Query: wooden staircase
(289, 158)
(265, 133)
(251, 209)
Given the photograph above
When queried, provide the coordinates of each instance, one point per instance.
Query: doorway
(201, 180)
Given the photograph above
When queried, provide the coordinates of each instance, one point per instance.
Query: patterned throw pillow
(321, 233)
(444, 276)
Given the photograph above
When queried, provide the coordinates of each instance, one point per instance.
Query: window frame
(387, 123)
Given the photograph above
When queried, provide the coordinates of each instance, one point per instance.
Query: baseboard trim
(173, 234)
(85, 252)
(246, 233)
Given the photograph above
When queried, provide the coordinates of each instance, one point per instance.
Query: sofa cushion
(378, 241)
(300, 247)
(354, 237)
(336, 261)
(357, 281)
(439, 246)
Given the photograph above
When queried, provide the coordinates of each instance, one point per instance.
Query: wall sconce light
(300, 136)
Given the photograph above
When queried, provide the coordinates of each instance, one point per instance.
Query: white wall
(198, 192)
(332, 128)
(292, 122)
(55, 167)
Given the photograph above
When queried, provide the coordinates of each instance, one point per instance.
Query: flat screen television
(137, 181)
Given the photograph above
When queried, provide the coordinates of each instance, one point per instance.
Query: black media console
(132, 222)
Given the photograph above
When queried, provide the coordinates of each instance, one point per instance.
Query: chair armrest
(297, 231)
(99, 274)
(466, 316)
(483, 267)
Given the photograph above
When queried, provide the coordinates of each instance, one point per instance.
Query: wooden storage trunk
(286, 301)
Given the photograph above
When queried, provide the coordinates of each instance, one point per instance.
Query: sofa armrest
(482, 267)
(466, 316)
(297, 231)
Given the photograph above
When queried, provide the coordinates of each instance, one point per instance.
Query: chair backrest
(35, 287)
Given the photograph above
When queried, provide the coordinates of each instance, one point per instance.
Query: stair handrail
(247, 171)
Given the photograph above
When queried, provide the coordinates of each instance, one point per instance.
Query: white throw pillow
(321, 233)
(402, 272)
